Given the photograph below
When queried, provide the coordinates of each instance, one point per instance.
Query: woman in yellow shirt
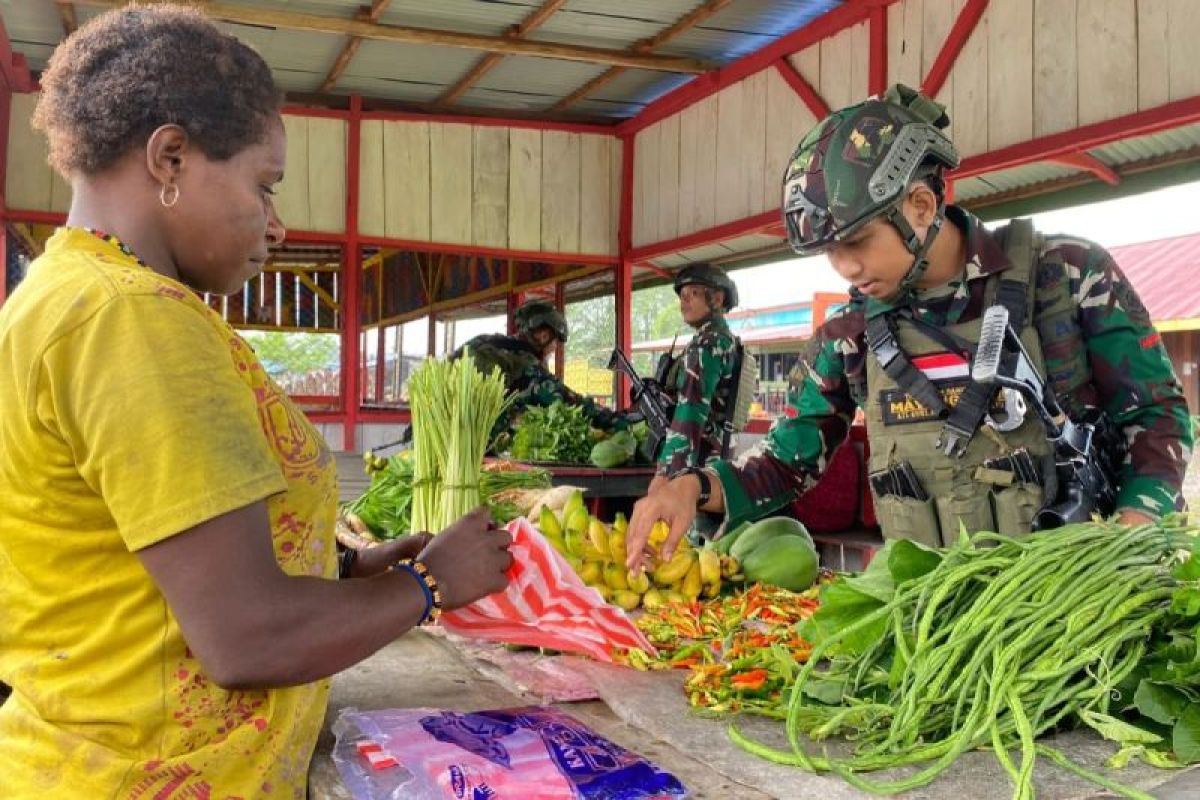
(167, 614)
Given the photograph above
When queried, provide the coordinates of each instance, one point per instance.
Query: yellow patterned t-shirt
(130, 412)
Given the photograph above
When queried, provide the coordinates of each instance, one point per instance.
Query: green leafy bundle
(386, 506)
(558, 433)
(995, 641)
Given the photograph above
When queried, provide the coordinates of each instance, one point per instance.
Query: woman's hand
(469, 560)
(674, 502)
(374, 560)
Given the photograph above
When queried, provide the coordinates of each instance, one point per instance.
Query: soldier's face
(693, 304)
(874, 259)
(544, 340)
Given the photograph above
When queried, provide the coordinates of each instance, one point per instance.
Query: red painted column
(624, 269)
(352, 283)
(878, 64)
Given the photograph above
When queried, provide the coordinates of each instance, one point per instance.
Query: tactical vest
(965, 491)
(512, 355)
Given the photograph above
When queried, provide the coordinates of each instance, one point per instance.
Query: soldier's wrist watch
(705, 483)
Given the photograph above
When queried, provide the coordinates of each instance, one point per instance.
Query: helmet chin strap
(919, 249)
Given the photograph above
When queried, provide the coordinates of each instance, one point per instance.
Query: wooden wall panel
(450, 171)
(788, 120)
(732, 199)
(969, 111)
(1108, 82)
(1184, 41)
(646, 188)
(406, 182)
(1010, 72)
(703, 204)
(836, 71)
(489, 200)
(906, 42)
(936, 20)
(525, 189)
(596, 221)
(616, 165)
(560, 192)
(326, 175)
(291, 196)
(1154, 54)
(689, 133)
(754, 139)
(29, 182)
(1055, 67)
(371, 208)
(860, 59)
(668, 178)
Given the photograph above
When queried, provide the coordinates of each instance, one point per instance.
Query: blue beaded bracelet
(429, 587)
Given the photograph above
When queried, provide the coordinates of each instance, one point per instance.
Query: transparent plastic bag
(530, 753)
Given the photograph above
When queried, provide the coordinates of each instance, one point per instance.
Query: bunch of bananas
(596, 551)
(373, 463)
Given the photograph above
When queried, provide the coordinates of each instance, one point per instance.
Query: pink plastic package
(531, 753)
(546, 605)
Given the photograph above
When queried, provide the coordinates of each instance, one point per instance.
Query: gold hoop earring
(162, 195)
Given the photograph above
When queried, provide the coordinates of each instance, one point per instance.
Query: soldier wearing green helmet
(867, 187)
(522, 359)
(702, 378)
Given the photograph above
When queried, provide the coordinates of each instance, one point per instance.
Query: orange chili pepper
(754, 679)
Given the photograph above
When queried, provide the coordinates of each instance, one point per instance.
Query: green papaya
(789, 562)
(609, 454)
(764, 530)
(723, 544)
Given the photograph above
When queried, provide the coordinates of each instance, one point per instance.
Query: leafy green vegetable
(558, 433)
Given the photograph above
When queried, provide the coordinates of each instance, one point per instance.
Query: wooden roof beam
(485, 64)
(318, 23)
(371, 14)
(684, 23)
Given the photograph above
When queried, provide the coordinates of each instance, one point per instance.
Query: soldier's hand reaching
(672, 501)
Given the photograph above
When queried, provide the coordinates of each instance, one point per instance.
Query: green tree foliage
(294, 353)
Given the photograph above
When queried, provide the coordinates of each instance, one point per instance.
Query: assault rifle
(653, 402)
(1087, 454)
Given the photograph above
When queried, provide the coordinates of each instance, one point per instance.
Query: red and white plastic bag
(546, 605)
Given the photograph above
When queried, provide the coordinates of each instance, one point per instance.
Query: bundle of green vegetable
(386, 506)
(558, 433)
(996, 641)
(453, 409)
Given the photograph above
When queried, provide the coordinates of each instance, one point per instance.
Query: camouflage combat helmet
(710, 276)
(857, 164)
(538, 314)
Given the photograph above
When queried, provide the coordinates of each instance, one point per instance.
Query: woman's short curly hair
(129, 71)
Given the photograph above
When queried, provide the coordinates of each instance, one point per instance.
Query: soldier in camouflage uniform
(701, 378)
(865, 186)
(522, 359)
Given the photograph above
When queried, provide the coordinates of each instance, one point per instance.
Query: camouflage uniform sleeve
(706, 361)
(799, 444)
(1133, 379)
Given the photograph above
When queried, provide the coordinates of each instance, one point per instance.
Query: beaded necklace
(113, 240)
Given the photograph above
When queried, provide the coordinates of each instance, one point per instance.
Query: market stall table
(646, 713)
(606, 491)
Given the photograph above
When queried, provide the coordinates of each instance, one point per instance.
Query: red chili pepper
(752, 680)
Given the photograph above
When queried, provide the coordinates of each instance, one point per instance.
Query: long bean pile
(454, 407)
(998, 642)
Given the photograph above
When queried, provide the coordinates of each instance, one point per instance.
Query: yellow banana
(592, 573)
(574, 503)
(575, 542)
(575, 562)
(673, 596)
(620, 523)
(614, 576)
(730, 566)
(616, 545)
(577, 520)
(659, 533)
(710, 571)
(548, 523)
(652, 599)
(598, 536)
(691, 582)
(671, 571)
(638, 581)
(604, 591)
(626, 599)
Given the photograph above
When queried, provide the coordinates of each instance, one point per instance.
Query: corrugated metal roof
(1158, 269)
(1008, 179)
(1141, 148)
